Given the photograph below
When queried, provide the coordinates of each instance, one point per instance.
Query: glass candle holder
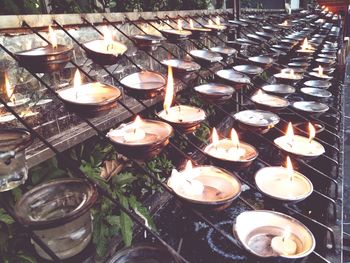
(59, 213)
(13, 166)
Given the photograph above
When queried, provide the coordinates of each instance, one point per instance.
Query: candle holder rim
(276, 85)
(187, 122)
(308, 91)
(248, 69)
(207, 55)
(197, 29)
(149, 37)
(323, 107)
(176, 32)
(85, 44)
(16, 144)
(228, 51)
(301, 198)
(259, 111)
(194, 65)
(230, 90)
(238, 77)
(318, 83)
(102, 103)
(131, 87)
(232, 176)
(72, 215)
(297, 154)
(272, 106)
(287, 217)
(23, 54)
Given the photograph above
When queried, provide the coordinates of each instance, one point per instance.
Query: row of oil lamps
(207, 186)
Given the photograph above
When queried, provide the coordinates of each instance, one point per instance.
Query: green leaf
(135, 204)
(26, 259)
(113, 220)
(123, 179)
(5, 218)
(125, 222)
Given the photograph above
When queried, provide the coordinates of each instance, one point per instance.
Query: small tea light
(299, 145)
(284, 244)
(319, 74)
(283, 183)
(231, 150)
(269, 101)
(14, 101)
(205, 185)
(306, 48)
(216, 26)
(183, 116)
(141, 139)
(89, 98)
(196, 31)
(285, 24)
(288, 77)
(178, 33)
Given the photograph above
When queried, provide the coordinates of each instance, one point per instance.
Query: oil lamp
(283, 183)
(141, 139)
(47, 58)
(176, 34)
(105, 51)
(287, 77)
(186, 118)
(273, 236)
(300, 146)
(230, 151)
(270, 102)
(319, 74)
(217, 26)
(306, 49)
(206, 187)
(90, 99)
(13, 100)
(285, 24)
(197, 32)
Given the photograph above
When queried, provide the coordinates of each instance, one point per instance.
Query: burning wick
(135, 133)
(108, 39)
(10, 91)
(290, 134)
(320, 71)
(290, 170)
(312, 132)
(284, 245)
(179, 24)
(52, 37)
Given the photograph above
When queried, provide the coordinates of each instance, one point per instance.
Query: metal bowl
(265, 35)
(144, 253)
(269, 102)
(175, 35)
(45, 59)
(278, 89)
(198, 32)
(250, 70)
(205, 56)
(103, 57)
(157, 132)
(221, 188)
(315, 75)
(270, 29)
(310, 107)
(234, 78)
(182, 67)
(299, 64)
(316, 93)
(322, 84)
(144, 84)
(325, 61)
(224, 51)
(283, 78)
(148, 42)
(92, 105)
(256, 38)
(327, 70)
(261, 61)
(258, 121)
(215, 92)
(255, 230)
(304, 127)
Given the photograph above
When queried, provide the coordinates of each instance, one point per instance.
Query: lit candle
(179, 25)
(236, 152)
(10, 91)
(53, 37)
(191, 24)
(284, 244)
(179, 113)
(135, 132)
(312, 132)
(217, 21)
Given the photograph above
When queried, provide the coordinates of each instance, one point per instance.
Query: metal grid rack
(324, 221)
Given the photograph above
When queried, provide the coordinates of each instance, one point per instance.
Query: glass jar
(13, 166)
(59, 213)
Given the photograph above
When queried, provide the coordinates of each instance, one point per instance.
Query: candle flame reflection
(52, 37)
(169, 93)
(179, 24)
(312, 132)
(10, 90)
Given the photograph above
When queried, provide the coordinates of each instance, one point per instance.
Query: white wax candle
(134, 135)
(267, 99)
(284, 245)
(300, 145)
(182, 113)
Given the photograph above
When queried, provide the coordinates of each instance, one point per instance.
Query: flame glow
(290, 132)
(217, 20)
(326, 9)
(305, 45)
(169, 93)
(285, 23)
(320, 71)
(9, 90)
(107, 35)
(234, 138)
(137, 122)
(77, 82)
(52, 37)
(191, 24)
(179, 24)
(210, 22)
(312, 132)
(188, 166)
(289, 167)
(214, 137)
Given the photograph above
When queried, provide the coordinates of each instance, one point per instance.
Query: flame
(234, 138)
(210, 22)
(259, 93)
(286, 233)
(52, 37)
(290, 132)
(77, 82)
(323, 7)
(285, 23)
(289, 167)
(107, 35)
(326, 9)
(320, 70)
(9, 90)
(191, 24)
(169, 93)
(312, 132)
(214, 137)
(188, 166)
(217, 21)
(305, 45)
(137, 122)
(179, 24)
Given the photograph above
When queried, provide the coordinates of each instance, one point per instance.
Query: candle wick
(134, 130)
